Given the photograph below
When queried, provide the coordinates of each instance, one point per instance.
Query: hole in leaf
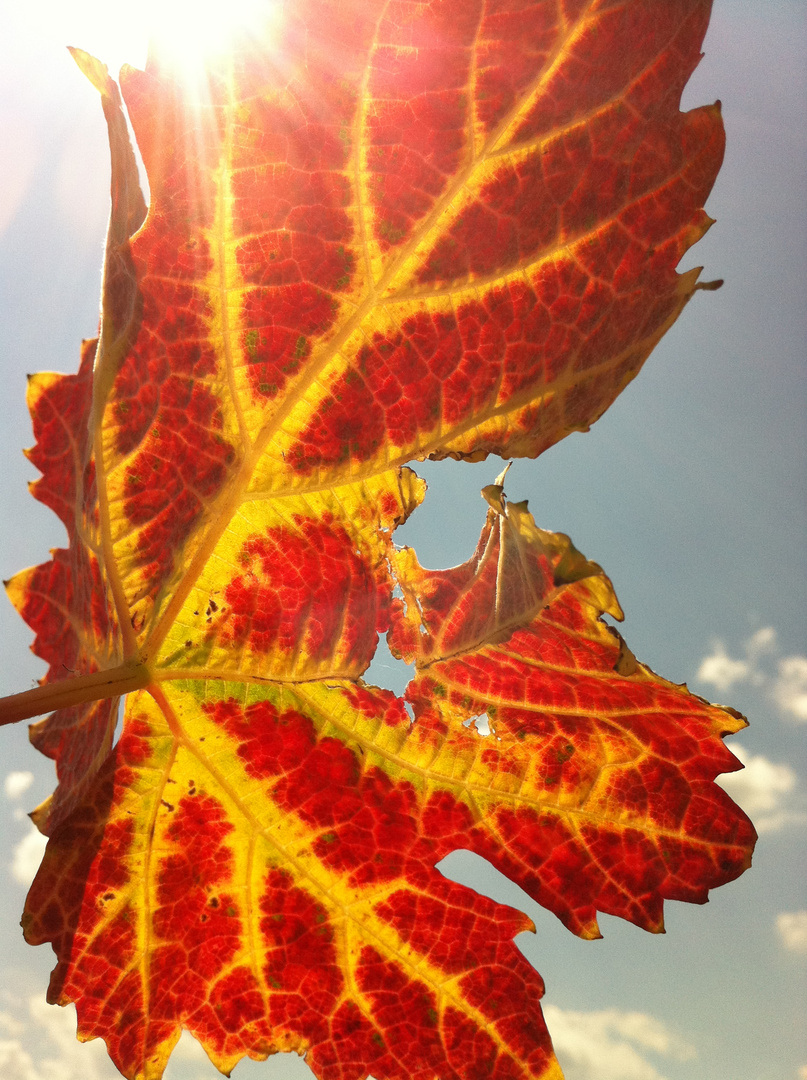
(118, 720)
(387, 671)
(481, 723)
(445, 529)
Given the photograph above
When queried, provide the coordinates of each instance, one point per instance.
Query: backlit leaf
(380, 232)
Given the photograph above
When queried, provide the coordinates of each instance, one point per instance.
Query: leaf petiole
(63, 693)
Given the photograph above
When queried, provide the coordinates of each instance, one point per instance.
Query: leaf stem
(74, 691)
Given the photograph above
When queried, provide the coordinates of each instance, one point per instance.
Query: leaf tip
(740, 721)
(493, 494)
(96, 71)
(39, 816)
(590, 932)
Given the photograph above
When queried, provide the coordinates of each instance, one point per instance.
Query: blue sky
(690, 492)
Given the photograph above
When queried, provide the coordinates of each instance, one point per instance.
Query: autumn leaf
(379, 233)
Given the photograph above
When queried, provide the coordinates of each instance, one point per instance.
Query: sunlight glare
(186, 31)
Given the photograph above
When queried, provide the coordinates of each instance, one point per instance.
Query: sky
(691, 492)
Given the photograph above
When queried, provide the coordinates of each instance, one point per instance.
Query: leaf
(594, 790)
(382, 233)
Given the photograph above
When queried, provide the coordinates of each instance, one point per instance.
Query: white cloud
(792, 927)
(762, 641)
(38, 1042)
(17, 783)
(785, 680)
(46, 1048)
(762, 789)
(611, 1045)
(27, 853)
(9, 1024)
(720, 670)
(16, 1063)
(790, 686)
(27, 856)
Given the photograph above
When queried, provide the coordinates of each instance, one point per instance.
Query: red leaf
(381, 232)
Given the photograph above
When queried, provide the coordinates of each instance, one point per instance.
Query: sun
(188, 33)
(184, 32)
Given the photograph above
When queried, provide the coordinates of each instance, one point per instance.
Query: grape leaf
(380, 233)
